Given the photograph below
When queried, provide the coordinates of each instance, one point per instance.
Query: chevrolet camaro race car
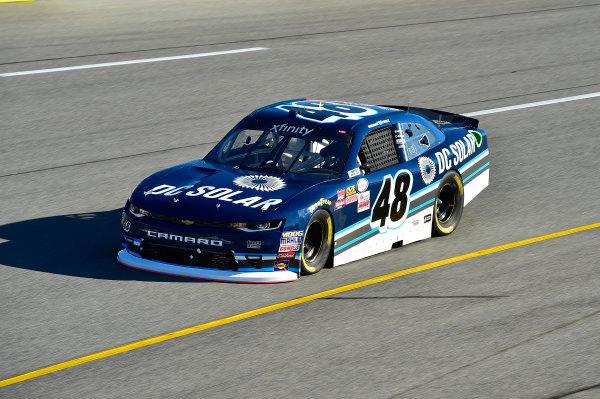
(301, 184)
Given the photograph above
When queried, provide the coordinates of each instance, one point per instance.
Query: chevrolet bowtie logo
(187, 222)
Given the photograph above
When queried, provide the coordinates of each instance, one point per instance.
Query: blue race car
(302, 184)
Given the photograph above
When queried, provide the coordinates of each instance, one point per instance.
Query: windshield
(284, 149)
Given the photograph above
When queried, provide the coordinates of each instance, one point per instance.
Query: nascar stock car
(299, 185)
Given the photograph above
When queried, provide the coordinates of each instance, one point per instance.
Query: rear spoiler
(440, 117)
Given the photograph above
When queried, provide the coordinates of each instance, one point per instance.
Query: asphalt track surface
(520, 323)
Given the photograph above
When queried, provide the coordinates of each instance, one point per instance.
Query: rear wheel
(449, 203)
(316, 245)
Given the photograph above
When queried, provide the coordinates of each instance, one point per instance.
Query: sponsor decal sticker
(286, 255)
(281, 264)
(378, 123)
(290, 241)
(260, 182)
(364, 201)
(351, 199)
(427, 167)
(320, 202)
(455, 153)
(222, 194)
(294, 233)
(354, 172)
(350, 190)
(302, 130)
(339, 204)
(362, 184)
(427, 219)
(341, 194)
(415, 222)
(289, 248)
(253, 244)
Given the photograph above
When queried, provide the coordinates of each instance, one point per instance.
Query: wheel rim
(446, 203)
(313, 241)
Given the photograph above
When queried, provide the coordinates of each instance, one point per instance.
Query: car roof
(298, 111)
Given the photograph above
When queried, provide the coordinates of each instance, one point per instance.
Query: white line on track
(108, 64)
(534, 104)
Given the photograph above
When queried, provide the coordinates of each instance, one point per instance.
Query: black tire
(317, 243)
(449, 202)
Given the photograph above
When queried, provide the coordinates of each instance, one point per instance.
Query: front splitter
(282, 276)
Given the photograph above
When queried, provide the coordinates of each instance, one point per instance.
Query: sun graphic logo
(260, 183)
(427, 167)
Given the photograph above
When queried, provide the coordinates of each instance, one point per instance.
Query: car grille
(185, 256)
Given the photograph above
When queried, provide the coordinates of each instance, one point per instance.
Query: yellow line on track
(287, 304)
(14, 1)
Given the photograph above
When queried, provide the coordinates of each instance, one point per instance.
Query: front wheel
(449, 203)
(316, 245)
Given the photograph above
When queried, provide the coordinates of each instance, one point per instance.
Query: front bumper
(281, 276)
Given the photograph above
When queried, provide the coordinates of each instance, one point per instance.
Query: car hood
(198, 191)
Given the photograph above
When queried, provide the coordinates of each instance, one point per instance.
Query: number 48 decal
(391, 205)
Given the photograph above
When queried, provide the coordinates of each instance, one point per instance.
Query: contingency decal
(327, 112)
(260, 182)
(290, 241)
(351, 199)
(222, 194)
(352, 173)
(281, 264)
(289, 248)
(393, 201)
(427, 167)
(292, 233)
(364, 201)
(351, 195)
(286, 255)
(362, 184)
(350, 190)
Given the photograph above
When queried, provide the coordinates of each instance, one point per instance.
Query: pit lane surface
(518, 323)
